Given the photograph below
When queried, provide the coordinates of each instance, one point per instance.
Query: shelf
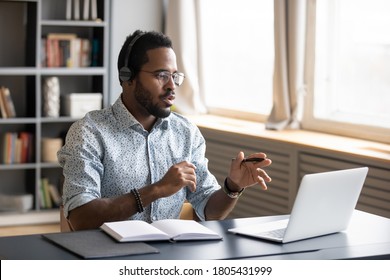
(16, 166)
(13, 71)
(58, 120)
(49, 165)
(76, 23)
(19, 121)
(24, 71)
(86, 71)
(29, 218)
(22, 58)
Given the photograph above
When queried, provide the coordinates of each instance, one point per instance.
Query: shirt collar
(126, 119)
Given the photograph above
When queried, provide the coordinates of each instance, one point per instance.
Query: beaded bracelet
(138, 199)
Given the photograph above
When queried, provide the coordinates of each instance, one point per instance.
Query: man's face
(154, 94)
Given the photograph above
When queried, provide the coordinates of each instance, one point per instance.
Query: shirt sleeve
(80, 159)
(207, 184)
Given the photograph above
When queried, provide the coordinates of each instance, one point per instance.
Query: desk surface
(367, 237)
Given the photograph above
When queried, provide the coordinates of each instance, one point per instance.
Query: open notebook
(324, 204)
(170, 229)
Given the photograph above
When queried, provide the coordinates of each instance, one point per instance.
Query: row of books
(16, 147)
(7, 108)
(68, 50)
(49, 195)
(88, 9)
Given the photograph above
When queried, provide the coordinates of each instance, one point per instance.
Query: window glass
(352, 62)
(237, 46)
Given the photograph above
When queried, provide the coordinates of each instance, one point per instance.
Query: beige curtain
(288, 81)
(182, 28)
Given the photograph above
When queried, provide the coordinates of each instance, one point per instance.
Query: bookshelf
(23, 70)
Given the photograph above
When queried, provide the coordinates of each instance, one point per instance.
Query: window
(351, 83)
(237, 46)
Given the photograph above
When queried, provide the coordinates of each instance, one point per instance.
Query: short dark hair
(138, 57)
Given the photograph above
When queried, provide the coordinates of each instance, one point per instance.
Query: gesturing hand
(246, 174)
(178, 176)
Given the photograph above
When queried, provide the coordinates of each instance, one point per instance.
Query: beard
(145, 99)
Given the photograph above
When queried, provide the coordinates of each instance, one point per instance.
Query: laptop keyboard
(276, 233)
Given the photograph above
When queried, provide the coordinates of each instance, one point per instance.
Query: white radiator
(375, 196)
(222, 147)
(290, 163)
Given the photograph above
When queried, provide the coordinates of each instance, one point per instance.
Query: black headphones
(126, 73)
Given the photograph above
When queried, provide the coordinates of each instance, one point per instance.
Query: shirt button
(154, 218)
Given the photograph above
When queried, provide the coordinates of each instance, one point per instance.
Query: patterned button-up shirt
(108, 152)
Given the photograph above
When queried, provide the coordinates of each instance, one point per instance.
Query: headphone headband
(125, 73)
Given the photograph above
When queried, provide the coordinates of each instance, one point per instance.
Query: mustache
(169, 93)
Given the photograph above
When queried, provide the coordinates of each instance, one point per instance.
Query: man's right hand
(178, 176)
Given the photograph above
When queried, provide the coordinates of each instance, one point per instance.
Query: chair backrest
(187, 212)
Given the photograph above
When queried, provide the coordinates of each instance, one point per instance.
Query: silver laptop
(324, 204)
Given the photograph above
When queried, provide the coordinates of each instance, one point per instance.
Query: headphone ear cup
(125, 74)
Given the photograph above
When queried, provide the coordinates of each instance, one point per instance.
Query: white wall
(126, 17)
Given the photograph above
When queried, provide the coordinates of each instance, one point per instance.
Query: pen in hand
(254, 159)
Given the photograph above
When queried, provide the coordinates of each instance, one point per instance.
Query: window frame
(309, 121)
(230, 112)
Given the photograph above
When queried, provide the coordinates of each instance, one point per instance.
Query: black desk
(368, 237)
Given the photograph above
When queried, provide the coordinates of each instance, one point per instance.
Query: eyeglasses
(164, 76)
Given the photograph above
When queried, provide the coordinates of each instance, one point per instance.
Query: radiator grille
(375, 196)
(290, 163)
(254, 201)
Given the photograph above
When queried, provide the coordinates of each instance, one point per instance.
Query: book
(94, 10)
(8, 102)
(95, 52)
(68, 9)
(169, 229)
(43, 52)
(26, 145)
(75, 49)
(85, 53)
(46, 193)
(64, 53)
(62, 36)
(67, 50)
(55, 195)
(18, 150)
(9, 144)
(76, 10)
(58, 49)
(86, 10)
(4, 144)
(15, 147)
(2, 105)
